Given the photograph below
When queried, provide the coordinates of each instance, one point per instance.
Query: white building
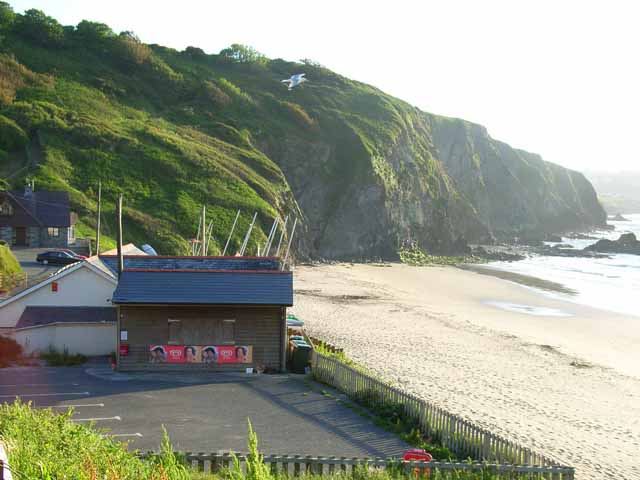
(69, 310)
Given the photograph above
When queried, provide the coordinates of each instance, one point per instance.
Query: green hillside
(364, 172)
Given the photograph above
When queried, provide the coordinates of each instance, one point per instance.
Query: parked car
(57, 257)
(71, 252)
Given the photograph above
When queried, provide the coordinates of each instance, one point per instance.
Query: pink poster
(216, 354)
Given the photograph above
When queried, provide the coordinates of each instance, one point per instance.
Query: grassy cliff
(363, 171)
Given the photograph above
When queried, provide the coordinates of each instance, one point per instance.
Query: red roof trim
(196, 270)
(227, 257)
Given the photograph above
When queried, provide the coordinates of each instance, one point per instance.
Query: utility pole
(119, 226)
(98, 219)
(203, 245)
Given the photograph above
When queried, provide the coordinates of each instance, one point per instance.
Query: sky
(559, 78)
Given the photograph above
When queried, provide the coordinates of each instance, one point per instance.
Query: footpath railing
(296, 465)
(462, 437)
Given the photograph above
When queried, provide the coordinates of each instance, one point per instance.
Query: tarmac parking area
(203, 412)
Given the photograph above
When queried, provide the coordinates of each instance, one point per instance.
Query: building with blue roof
(201, 313)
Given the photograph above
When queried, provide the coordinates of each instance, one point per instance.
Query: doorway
(20, 236)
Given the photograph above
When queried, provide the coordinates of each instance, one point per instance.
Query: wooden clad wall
(260, 327)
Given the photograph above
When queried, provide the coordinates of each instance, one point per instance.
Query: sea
(611, 284)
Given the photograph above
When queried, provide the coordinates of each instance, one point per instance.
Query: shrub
(299, 115)
(64, 359)
(243, 54)
(9, 265)
(10, 350)
(416, 257)
(93, 34)
(30, 115)
(131, 50)
(12, 137)
(215, 94)
(14, 76)
(234, 91)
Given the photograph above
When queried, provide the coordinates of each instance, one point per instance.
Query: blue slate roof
(192, 263)
(204, 287)
(37, 316)
(40, 208)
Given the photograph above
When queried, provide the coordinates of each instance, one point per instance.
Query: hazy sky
(560, 78)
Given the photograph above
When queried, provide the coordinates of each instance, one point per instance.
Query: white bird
(295, 80)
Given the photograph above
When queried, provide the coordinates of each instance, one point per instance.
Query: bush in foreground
(42, 444)
(64, 359)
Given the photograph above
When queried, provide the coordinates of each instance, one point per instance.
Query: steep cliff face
(513, 190)
(364, 172)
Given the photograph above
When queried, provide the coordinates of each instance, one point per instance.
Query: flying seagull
(295, 80)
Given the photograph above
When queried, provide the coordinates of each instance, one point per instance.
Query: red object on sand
(417, 454)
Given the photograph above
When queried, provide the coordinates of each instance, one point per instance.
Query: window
(175, 332)
(6, 209)
(228, 331)
(53, 232)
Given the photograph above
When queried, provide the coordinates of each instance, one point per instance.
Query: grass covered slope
(171, 130)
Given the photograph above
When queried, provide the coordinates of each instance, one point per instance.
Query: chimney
(28, 188)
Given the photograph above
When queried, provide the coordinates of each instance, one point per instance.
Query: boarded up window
(175, 332)
(228, 331)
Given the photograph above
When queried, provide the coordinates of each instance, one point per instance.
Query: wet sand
(548, 373)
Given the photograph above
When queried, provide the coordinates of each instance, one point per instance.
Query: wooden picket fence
(462, 437)
(296, 465)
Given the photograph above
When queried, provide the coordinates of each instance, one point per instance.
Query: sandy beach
(553, 375)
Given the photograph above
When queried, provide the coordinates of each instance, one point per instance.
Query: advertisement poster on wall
(214, 354)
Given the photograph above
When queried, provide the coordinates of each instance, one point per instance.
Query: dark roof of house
(204, 287)
(37, 316)
(40, 208)
(152, 262)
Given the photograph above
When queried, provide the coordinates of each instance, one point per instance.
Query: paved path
(205, 412)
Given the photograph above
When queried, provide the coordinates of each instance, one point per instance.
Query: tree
(93, 33)
(243, 54)
(195, 53)
(38, 26)
(7, 16)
